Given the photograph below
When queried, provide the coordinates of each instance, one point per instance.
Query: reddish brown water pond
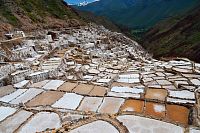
(178, 114)
(133, 106)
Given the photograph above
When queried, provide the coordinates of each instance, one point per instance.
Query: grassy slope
(34, 12)
(177, 36)
(41, 8)
(6, 14)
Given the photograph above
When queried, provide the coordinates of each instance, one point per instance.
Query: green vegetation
(7, 14)
(139, 14)
(138, 33)
(36, 10)
(177, 36)
(100, 20)
(135, 17)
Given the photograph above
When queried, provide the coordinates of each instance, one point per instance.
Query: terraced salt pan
(104, 80)
(191, 75)
(5, 90)
(90, 104)
(46, 98)
(121, 84)
(159, 78)
(159, 108)
(53, 85)
(98, 91)
(12, 123)
(137, 124)
(182, 70)
(123, 95)
(152, 83)
(178, 114)
(160, 74)
(178, 83)
(155, 109)
(68, 101)
(195, 82)
(88, 77)
(147, 79)
(39, 84)
(129, 76)
(184, 94)
(178, 79)
(163, 82)
(130, 81)
(127, 90)
(93, 71)
(96, 127)
(188, 87)
(193, 130)
(83, 89)
(28, 95)
(110, 105)
(13, 95)
(38, 73)
(40, 122)
(133, 106)
(177, 63)
(175, 100)
(157, 94)
(21, 84)
(5, 112)
(67, 86)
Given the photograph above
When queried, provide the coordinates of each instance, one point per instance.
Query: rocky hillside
(34, 14)
(178, 36)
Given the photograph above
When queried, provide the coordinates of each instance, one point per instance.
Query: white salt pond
(40, 122)
(110, 105)
(13, 122)
(123, 95)
(137, 124)
(5, 112)
(96, 127)
(184, 94)
(127, 90)
(13, 95)
(28, 95)
(68, 101)
(174, 100)
(21, 84)
(90, 104)
(53, 85)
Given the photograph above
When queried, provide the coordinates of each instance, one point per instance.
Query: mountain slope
(139, 13)
(35, 14)
(177, 36)
(100, 20)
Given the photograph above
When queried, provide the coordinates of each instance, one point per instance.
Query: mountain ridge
(139, 13)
